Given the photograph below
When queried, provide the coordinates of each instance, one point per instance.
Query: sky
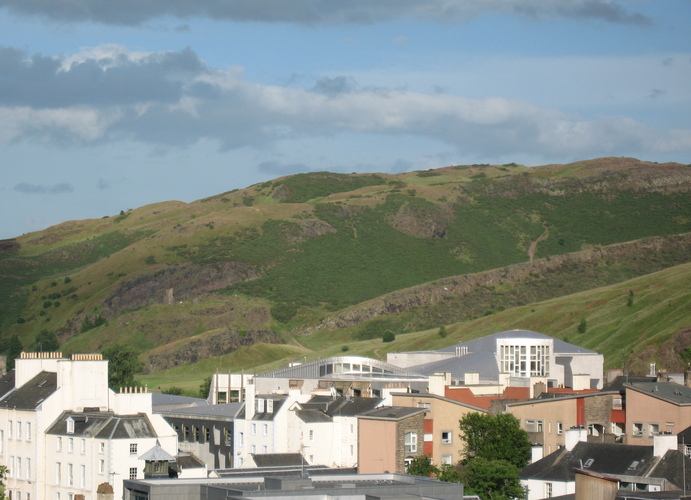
(108, 106)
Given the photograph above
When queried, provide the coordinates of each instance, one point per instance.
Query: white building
(63, 431)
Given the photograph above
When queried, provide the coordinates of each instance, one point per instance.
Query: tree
(205, 388)
(13, 351)
(388, 336)
(582, 326)
(3, 476)
(123, 365)
(442, 331)
(495, 437)
(421, 465)
(46, 341)
(449, 474)
(492, 479)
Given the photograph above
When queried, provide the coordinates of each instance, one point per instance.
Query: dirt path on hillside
(533, 245)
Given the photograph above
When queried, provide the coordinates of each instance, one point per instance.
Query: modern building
(516, 358)
(322, 486)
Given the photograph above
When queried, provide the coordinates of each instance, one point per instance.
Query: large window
(133, 473)
(525, 360)
(411, 442)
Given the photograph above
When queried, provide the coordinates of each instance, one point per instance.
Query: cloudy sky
(111, 105)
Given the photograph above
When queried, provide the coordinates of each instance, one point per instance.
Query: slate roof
(103, 425)
(278, 459)
(392, 413)
(313, 416)
(617, 385)
(278, 400)
(606, 458)
(6, 383)
(227, 410)
(440, 398)
(341, 406)
(672, 468)
(667, 391)
(30, 395)
(157, 454)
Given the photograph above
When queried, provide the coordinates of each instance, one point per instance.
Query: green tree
(205, 388)
(495, 437)
(14, 349)
(3, 477)
(123, 365)
(442, 331)
(421, 465)
(492, 479)
(173, 391)
(46, 341)
(388, 336)
(449, 474)
(582, 326)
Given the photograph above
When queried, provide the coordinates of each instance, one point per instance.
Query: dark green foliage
(68, 279)
(123, 365)
(388, 336)
(450, 474)
(685, 356)
(283, 311)
(421, 465)
(205, 387)
(582, 326)
(90, 324)
(492, 479)
(150, 260)
(629, 301)
(345, 348)
(46, 341)
(14, 349)
(174, 391)
(375, 328)
(428, 173)
(442, 331)
(495, 437)
(301, 188)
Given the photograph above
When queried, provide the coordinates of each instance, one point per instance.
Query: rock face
(182, 282)
(429, 222)
(429, 294)
(195, 349)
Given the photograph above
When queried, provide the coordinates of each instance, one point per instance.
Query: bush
(388, 336)
(582, 326)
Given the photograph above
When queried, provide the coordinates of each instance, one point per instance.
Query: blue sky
(106, 106)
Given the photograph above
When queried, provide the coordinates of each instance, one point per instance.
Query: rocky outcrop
(429, 221)
(429, 294)
(196, 349)
(181, 282)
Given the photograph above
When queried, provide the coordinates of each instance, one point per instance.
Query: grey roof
(168, 401)
(440, 398)
(103, 425)
(278, 400)
(673, 466)
(227, 411)
(6, 383)
(157, 454)
(341, 406)
(313, 416)
(668, 391)
(188, 461)
(32, 393)
(278, 459)
(621, 380)
(481, 355)
(311, 370)
(622, 459)
(392, 413)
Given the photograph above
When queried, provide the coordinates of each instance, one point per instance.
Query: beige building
(441, 432)
(654, 408)
(388, 438)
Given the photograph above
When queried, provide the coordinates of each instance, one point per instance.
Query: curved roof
(318, 369)
(489, 343)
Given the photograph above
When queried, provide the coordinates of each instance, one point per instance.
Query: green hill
(322, 260)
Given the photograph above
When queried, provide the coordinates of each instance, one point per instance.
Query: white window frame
(410, 442)
(449, 437)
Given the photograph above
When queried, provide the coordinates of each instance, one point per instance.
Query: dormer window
(70, 426)
(269, 405)
(260, 405)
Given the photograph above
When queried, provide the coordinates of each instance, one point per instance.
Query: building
(319, 486)
(654, 408)
(441, 439)
(63, 432)
(516, 358)
(389, 438)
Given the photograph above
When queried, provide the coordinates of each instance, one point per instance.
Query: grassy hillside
(316, 260)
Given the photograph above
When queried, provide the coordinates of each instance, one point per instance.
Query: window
(58, 443)
(70, 445)
(82, 446)
(539, 426)
(70, 426)
(101, 448)
(410, 442)
(10, 471)
(133, 448)
(548, 490)
(19, 430)
(265, 429)
(82, 475)
(446, 437)
(28, 468)
(10, 424)
(195, 433)
(265, 449)
(253, 429)
(101, 466)
(253, 449)
(560, 428)
(637, 429)
(28, 431)
(2, 441)
(654, 429)
(260, 405)
(352, 450)
(133, 473)
(425, 406)
(70, 475)
(447, 459)
(185, 433)
(58, 473)
(19, 467)
(207, 434)
(269, 405)
(311, 435)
